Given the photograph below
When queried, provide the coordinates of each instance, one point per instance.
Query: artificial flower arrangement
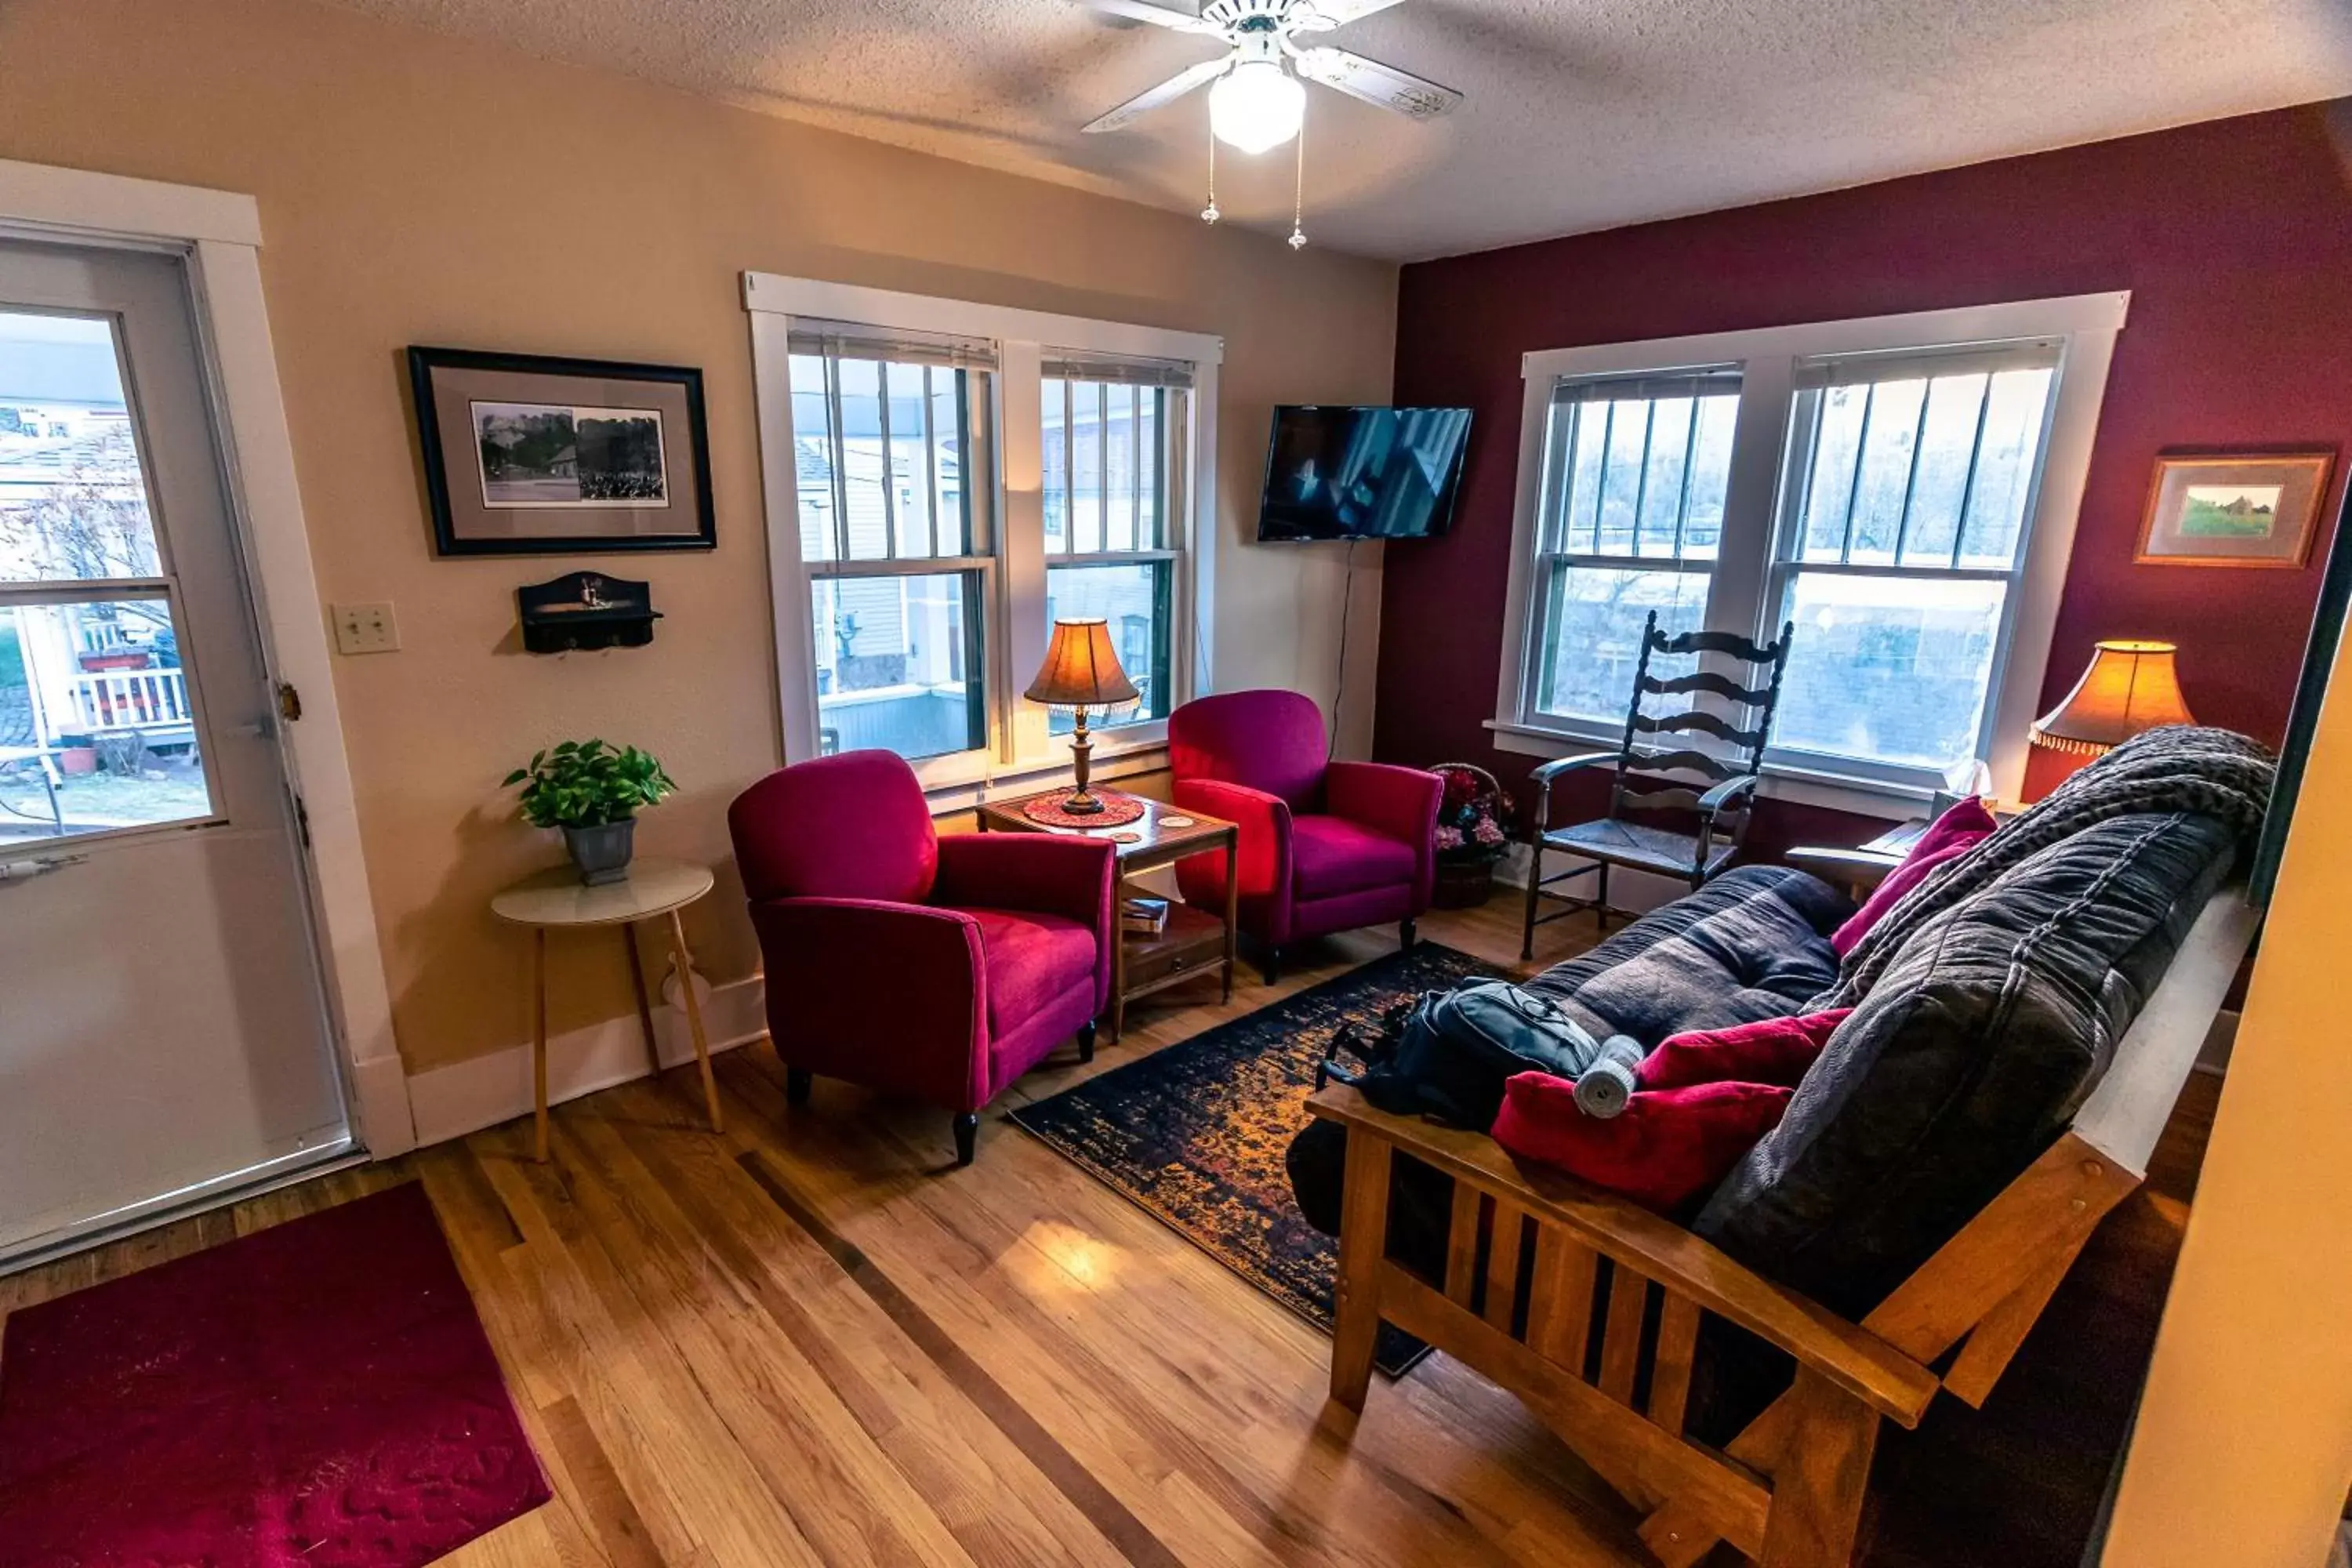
(1471, 834)
(1470, 816)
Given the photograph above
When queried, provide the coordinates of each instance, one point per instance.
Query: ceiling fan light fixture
(1257, 106)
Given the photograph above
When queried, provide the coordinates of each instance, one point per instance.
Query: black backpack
(1447, 1053)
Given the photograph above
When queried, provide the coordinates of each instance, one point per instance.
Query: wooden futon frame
(1573, 1334)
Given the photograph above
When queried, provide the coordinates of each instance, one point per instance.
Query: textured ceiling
(1582, 114)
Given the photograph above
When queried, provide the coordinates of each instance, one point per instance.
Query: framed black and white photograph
(526, 455)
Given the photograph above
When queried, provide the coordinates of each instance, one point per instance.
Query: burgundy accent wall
(2234, 238)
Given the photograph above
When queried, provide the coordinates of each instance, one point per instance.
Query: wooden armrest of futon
(1850, 1357)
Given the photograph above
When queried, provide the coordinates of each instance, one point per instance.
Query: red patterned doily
(1117, 808)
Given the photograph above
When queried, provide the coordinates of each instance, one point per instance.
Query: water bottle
(1603, 1088)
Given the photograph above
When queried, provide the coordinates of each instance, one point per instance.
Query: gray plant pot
(602, 853)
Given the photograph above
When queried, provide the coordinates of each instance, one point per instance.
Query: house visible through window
(1879, 487)
(884, 436)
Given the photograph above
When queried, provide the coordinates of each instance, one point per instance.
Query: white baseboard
(2214, 1055)
(379, 1095)
(1638, 892)
(466, 1097)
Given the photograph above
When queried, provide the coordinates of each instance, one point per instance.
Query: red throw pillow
(1772, 1051)
(1666, 1150)
(1954, 834)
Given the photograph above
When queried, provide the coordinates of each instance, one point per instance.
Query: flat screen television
(1361, 473)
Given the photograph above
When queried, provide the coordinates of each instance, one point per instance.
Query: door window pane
(898, 664)
(1133, 601)
(73, 505)
(1595, 618)
(97, 732)
(1894, 669)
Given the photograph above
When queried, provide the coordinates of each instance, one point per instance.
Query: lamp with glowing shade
(1257, 106)
(2130, 686)
(1082, 671)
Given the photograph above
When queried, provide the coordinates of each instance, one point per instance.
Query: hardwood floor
(814, 1341)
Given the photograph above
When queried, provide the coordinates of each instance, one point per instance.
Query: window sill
(1113, 760)
(1804, 786)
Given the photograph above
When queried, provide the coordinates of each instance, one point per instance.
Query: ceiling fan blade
(1168, 92)
(1321, 15)
(1158, 15)
(1416, 98)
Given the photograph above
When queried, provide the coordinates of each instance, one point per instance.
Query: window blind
(847, 340)
(1648, 388)
(1913, 364)
(1060, 365)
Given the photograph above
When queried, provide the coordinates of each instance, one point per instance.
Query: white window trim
(1767, 357)
(1021, 754)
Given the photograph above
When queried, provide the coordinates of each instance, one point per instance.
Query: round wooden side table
(556, 900)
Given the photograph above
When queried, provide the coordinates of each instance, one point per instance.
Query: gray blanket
(2218, 772)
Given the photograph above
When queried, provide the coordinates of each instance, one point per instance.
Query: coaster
(1125, 836)
(1176, 821)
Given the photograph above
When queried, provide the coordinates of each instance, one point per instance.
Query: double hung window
(1111, 447)
(1904, 519)
(894, 537)
(1635, 469)
(1901, 491)
(943, 483)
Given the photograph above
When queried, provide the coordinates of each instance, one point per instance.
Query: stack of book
(1143, 917)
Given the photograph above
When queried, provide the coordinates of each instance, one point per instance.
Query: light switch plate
(366, 628)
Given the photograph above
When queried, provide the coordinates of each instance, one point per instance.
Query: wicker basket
(1465, 884)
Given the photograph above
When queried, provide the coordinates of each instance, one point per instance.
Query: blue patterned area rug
(1194, 1134)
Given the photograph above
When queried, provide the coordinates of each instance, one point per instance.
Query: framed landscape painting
(2253, 509)
(531, 455)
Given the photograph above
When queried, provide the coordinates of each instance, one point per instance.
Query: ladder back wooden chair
(1643, 779)
(1595, 1326)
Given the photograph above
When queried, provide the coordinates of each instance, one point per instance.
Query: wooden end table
(556, 900)
(1194, 941)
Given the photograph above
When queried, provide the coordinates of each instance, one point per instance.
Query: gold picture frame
(2249, 509)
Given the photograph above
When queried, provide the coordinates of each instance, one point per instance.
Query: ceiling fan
(1257, 103)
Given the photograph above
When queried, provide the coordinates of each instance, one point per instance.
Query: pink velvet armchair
(1325, 845)
(942, 968)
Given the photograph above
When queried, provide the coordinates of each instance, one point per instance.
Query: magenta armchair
(943, 968)
(1325, 845)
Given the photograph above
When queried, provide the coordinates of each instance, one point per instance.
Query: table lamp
(2130, 686)
(1081, 671)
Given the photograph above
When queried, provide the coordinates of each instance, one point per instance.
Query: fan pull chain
(1210, 214)
(1298, 193)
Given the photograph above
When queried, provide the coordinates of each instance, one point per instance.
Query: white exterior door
(163, 1030)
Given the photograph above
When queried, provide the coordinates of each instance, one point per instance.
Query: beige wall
(2243, 1450)
(415, 189)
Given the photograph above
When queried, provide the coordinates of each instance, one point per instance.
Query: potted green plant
(592, 792)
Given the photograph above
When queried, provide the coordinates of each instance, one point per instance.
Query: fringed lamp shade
(2130, 686)
(1081, 671)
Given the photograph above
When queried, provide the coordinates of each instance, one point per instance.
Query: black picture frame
(469, 522)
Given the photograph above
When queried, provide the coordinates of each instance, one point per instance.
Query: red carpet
(319, 1395)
